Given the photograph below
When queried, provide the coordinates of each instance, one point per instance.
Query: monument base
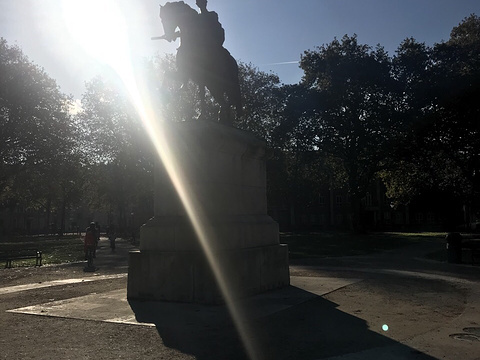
(221, 172)
(186, 276)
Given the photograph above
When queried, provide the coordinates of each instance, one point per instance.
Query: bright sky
(263, 32)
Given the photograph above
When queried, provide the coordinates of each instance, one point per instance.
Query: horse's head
(173, 15)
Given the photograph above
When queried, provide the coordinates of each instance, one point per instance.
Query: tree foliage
(354, 109)
(357, 115)
(119, 153)
(262, 101)
(437, 149)
(34, 121)
(37, 139)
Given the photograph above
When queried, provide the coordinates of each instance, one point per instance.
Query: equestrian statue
(201, 56)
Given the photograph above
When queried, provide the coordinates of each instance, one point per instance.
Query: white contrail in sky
(283, 63)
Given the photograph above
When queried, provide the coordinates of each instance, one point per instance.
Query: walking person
(111, 236)
(90, 244)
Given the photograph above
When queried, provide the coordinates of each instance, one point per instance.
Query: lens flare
(100, 27)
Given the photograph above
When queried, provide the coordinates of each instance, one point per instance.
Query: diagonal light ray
(117, 55)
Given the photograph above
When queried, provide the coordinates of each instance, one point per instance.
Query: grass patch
(54, 251)
(300, 245)
(336, 244)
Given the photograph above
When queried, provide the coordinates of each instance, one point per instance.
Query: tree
(34, 119)
(35, 131)
(438, 147)
(457, 68)
(120, 155)
(262, 101)
(354, 106)
(405, 173)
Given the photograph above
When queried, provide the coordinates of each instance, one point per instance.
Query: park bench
(26, 254)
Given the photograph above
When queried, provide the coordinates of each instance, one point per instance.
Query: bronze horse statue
(198, 60)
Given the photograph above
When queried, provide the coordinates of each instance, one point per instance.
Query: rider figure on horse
(201, 56)
(211, 31)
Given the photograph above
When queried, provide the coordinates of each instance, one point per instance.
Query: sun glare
(100, 28)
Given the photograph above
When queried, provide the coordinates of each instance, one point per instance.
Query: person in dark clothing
(90, 240)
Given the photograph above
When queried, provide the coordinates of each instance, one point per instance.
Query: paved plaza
(392, 305)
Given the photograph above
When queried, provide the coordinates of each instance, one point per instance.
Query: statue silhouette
(209, 26)
(201, 56)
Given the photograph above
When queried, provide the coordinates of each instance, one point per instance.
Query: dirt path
(431, 310)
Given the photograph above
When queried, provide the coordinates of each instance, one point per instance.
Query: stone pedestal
(222, 173)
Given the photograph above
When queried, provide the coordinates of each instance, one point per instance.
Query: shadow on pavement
(309, 327)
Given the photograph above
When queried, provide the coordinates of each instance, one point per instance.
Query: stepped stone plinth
(221, 171)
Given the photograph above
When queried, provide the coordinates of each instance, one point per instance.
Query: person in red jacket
(90, 240)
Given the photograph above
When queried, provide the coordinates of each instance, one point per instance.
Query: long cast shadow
(289, 323)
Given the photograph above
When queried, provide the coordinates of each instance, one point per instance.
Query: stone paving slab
(111, 306)
(114, 307)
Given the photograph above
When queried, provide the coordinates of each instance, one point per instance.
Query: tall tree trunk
(358, 223)
(48, 210)
(62, 219)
